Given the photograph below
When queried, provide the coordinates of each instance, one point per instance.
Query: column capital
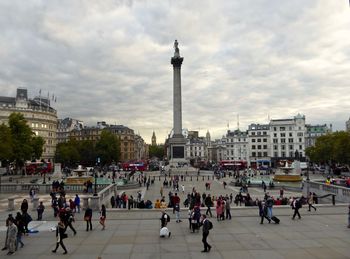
(177, 61)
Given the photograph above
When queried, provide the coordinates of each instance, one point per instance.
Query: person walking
(209, 203)
(10, 217)
(269, 204)
(60, 235)
(40, 210)
(311, 201)
(11, 236)
(87, 218)
(207, 225)
(77, 204)
(68, 219)
(296, 205)
(103, 216)
(228, 209)
(20, 229)
(263, 212)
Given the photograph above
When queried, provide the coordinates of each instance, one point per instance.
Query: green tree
(21, 139)
(86, 149)
(108, 147)
(37, 144)
(67, 153)
(157, 151)
(5, 143)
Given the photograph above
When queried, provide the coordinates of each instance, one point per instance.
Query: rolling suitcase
(275, 219)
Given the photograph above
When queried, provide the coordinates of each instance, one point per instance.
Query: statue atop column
(177, 51)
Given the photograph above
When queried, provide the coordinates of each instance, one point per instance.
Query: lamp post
(95, 175)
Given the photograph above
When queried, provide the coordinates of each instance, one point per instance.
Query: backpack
(210, 225)
(167, 218)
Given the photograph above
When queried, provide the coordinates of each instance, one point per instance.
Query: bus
(134, 166)
(38, 167)
(233, 164)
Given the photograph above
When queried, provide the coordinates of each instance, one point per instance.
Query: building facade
(40, 116)
(237, 147)
(347, 125)
(65, 126)
(287, 137)
(315, 131)
(259, 143)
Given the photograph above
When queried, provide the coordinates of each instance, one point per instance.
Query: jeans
(269, 212)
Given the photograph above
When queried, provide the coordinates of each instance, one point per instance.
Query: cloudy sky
(110, 60)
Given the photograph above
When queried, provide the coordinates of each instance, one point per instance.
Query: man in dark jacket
(206, 227)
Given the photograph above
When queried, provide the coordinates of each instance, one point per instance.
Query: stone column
(177, 62)
(95, 203)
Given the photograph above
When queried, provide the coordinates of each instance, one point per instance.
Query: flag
(40, 92)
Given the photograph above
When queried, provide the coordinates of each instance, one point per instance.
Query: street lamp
(307, 178)
(95, 175)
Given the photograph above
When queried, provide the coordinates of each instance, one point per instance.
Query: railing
(340, 193)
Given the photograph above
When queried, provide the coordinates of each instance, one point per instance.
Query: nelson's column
(177, 142)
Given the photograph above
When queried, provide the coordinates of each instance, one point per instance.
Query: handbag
(86, 218)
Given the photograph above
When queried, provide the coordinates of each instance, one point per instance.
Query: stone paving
(135, 233)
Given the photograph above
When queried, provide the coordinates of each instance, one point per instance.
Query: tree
(21, 139)
(156, 151)
(86, 149)
(5, 143)
(108, 148)
(67, 153)
(37, 144)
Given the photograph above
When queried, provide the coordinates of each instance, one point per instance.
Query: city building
(287, 137)
(315, 131)
(237, 145)
(196, 148)
(259, 143)
(132, 146)
(40, 116)
(65, 126)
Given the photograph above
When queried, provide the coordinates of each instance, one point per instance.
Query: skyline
(110, 61)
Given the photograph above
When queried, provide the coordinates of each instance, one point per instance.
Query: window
(253, 147)
(253, 154)
(283, 140)
(283, 147)
(300, 134)
(274, 128)
(290, 140)
(265, 140)
(290, 134)
(264, 133)
(282, 128)
(300, 147)
(291, 147)
(253, 133)
(265, 154)
(275, 147)
(259, 154)
(300, 140)
(259, 133)
(259, 139)
(283, 154)
(291, 154)
(283, 135)
(253, 140)
(275, 154)
(275, 135)
(275, 140)
(259, 146)
(265, 146)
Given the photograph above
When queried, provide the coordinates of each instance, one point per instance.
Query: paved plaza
(135, 233)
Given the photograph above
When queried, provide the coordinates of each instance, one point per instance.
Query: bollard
(208, 177)
(203, 178)
(197, 178)
(191, 177)
(333, 199)
(35, 203)
(11, 204)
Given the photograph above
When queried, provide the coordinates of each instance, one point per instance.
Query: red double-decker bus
(38, 167)
(134, 166)
(233, 164)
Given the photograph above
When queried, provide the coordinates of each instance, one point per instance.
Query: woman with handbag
(103, 216)
(60, 235)
(87, 218)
